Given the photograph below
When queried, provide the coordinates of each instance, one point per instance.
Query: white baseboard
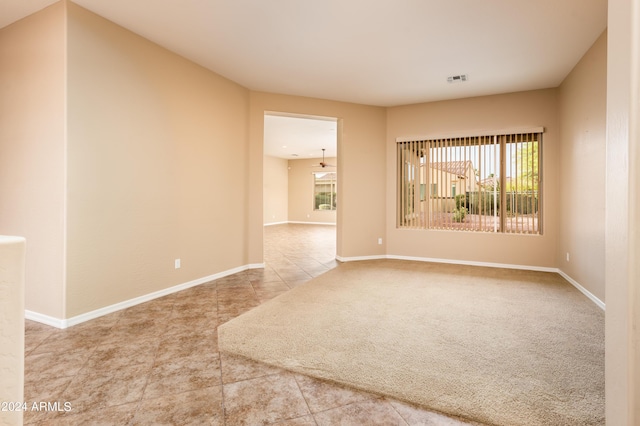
(45, 319)
(573, 282)
(64, 323)
(449, 261)
(583, 290)
(474, 263)
(276, 223)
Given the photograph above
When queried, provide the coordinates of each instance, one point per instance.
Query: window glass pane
(324, 190)
(483, 183)
(522, 185)
(463, 173)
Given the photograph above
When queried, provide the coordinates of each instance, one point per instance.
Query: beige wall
(361, 168)
(276, 190)
(32, 150)
(582, 105)
(157, 155)
(515, 110)
(622, 218)
(288, 191)
(301, 191)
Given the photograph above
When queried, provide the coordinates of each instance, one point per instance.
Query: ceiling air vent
(457, 78)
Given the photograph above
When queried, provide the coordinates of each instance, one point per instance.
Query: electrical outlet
(568, 257)
(177, 263)
(379, 240)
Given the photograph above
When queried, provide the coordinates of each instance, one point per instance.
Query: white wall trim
(573, 282)
(45, 319)
(276, 223)
(449, 261)
(583, 290)
(64, 323)
(474, 263)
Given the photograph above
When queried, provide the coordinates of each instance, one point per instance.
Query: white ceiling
(13, 10)
(375, 52)
(299, 137)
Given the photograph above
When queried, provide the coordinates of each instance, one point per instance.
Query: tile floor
(158, 362)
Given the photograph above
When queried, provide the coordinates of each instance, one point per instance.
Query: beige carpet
(497, 346)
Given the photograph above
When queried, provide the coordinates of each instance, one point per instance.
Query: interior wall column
(622, 275)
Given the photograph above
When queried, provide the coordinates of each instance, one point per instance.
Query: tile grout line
(93, 352)
(397, 412)
(155, 357)
(305, 400)
(222, 400)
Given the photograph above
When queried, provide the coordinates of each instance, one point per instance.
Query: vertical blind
(475, 183)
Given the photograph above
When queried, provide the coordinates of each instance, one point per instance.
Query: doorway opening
(301, 183)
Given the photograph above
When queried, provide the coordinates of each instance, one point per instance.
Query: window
(324, 190)
(481, 183)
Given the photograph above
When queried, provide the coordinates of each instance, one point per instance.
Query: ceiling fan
(322, 163)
